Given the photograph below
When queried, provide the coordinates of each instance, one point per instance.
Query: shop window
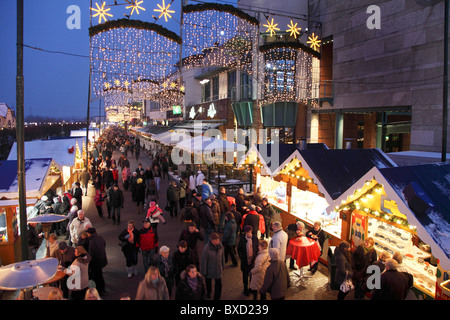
(231, 85)
(215, 88)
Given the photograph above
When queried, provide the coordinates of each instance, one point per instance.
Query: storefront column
(339, 135)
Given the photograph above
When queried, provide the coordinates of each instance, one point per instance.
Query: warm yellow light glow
(182, 88)
(314, 41)
(173, 85)
(271, 27)
(294, 31)
(101, 12)
(135, 6)
(164, 11)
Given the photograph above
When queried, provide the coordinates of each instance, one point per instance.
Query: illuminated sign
(176, 109)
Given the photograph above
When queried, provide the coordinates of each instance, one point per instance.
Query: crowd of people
(214, 228)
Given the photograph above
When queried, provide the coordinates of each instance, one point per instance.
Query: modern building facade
(384, 63)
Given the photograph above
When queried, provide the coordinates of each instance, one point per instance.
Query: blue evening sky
(56, 85)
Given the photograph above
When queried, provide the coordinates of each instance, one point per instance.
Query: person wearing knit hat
(276, 279)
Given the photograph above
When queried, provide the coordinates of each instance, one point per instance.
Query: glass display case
(311, 207)
(392, 239)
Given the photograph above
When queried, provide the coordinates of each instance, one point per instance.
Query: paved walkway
(117, 282)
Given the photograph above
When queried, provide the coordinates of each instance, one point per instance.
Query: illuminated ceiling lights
(293, 29)
(271, 27)
(218, 35)
(135, 6)
(101, 12)
(314, 41)
(164, 11)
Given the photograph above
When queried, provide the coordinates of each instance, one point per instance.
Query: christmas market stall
(40, 176)
(67, 153)
(303, 182)
(406, 210)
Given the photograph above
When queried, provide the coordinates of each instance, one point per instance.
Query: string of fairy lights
(132, 60)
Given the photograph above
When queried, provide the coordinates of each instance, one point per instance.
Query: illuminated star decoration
(271, 27)
(135, 6)
(182, 88)
(101, 12)
(173, 85)
(164, 11)
(314, 41)
(107, 85)
(294, 31)
(117, 82)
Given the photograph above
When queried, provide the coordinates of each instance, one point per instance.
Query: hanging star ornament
(271, 27)
(135, 6)
(101, 12)
(313, 41)
(164, 11)
(294, 31)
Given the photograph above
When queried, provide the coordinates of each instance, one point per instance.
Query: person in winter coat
(77, 193)
(394, 284)
(192, 285)
(206, 218)
(268, 213)
(98, 200)
(140, 195)
(247, 250)
(116, 202)
(173, 197)
(253, 219)
(191, 235)
(182, 187)
(229, 238)
(133, 183)
(258, 271)
(189, 214)
(279, 240)
(84, 179)
(316, 233)
(155, 214)
(81, 283)
(359, 265)
(240, 202)
(224, 206)
(108, 177)
(130, 247)
(207, 189)
(153, 287)
(97, 250)
(126, 174)
(80, 223)
(199, 181)
(212, 265)
(164, 262)
(343, 266)
(148, 243)
(215, 210)
(183, 257)
(276, 279)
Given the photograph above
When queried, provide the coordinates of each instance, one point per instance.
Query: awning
(171, 137)
(198, 126)
(208, 144)
(243, 111)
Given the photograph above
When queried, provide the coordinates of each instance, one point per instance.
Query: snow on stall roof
(56, 149)
(439, 230)
(35, 173)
